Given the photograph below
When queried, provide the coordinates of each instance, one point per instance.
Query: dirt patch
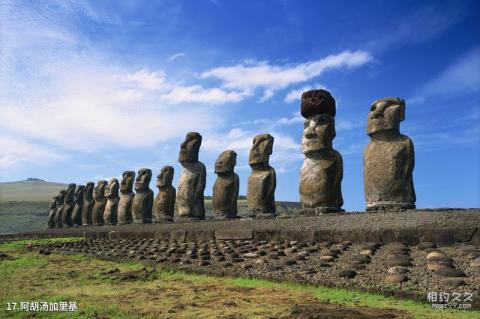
(332, 311)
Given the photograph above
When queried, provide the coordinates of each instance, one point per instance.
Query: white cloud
(275, 77)
(146, 79)
(16, 153)
(296, 94)
(198, 94)
(176, 56)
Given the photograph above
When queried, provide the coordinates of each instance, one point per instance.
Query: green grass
(12, 245)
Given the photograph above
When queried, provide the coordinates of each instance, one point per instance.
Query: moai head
(165, 177)
(61, 197)
(126, 185)
(88, 190)
(111, 191)
(386, 115)
(79, 194)
(190, 148)
(99, 190)
(70, 194)
(143, 179)
(54, 201)
(318, 108)
(261, 150)
(226, 162)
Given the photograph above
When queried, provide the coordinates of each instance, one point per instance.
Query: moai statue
(111, 194)
(68, 205)
(59, 208)
(88, 203)
(225, 189)
(53, 210)
(77, 210)
(143, 200)
(100, 203)
(263, 180)
(322, 170)
(190, 201)
(164, 204)
(124, 215)
(388, 159)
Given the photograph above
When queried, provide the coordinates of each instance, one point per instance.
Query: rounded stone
(326, 258)
(395, 278)
(349, 273)
(426, 245)
(475, 263)
(366, 252)
(435, 255)
(260, 261)
(449, 272)
(454, 282)
(398, 260)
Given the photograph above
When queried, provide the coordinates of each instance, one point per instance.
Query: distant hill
(30, 190)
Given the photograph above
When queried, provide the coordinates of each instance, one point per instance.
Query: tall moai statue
(111, 194)
(88, 203)
(143, 200)
(124, 215)
(53, 211)
(388, 159)
(100, 203)
(77, 210)
(263, 179)
(225, 189)
(322, 170)
(164, 204)
(190, 197)
(59, 208)
(68, 205)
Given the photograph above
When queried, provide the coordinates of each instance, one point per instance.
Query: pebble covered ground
(394, 268)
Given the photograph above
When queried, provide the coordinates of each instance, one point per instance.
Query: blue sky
(90, 89)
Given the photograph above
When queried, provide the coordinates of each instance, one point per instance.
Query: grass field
(105, 289)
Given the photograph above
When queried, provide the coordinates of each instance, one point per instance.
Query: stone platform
(440, 226)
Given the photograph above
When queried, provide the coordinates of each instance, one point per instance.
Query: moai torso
(100, 203)
(143, 200)
(111, 194)
(164, 204)
(68, 205)
(226, 187)
(191, 185)
(388, 159)
(88, 203)
(322, 170)
(320, 181)
(53, 210)
(77, 210)
(124, 211)
(59, 209)
(262, 181)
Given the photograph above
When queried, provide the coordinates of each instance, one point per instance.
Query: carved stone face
(190, 147)
(70, 193)
(386, 115)
(79, 193)
(61, 197)
(261, 149)
(126, 185)
(143, 179)
(111, 190)
(88, 190)
(226, 162)
(318, 133)
(99, 190)
(165, 177)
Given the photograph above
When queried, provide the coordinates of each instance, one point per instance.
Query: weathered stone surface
(111, 194)
(143, 200)
(88, 203)
(164, 204)
(388, 159)
(68, 204)
(234, 234)
(77, 210)
(191, 185)
(226, 187)
(124, 211)
(263, 180)
(396, 278)
(322, 170)
(100, 203)
(53, 210)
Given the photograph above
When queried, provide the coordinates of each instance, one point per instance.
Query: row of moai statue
(388, 182)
